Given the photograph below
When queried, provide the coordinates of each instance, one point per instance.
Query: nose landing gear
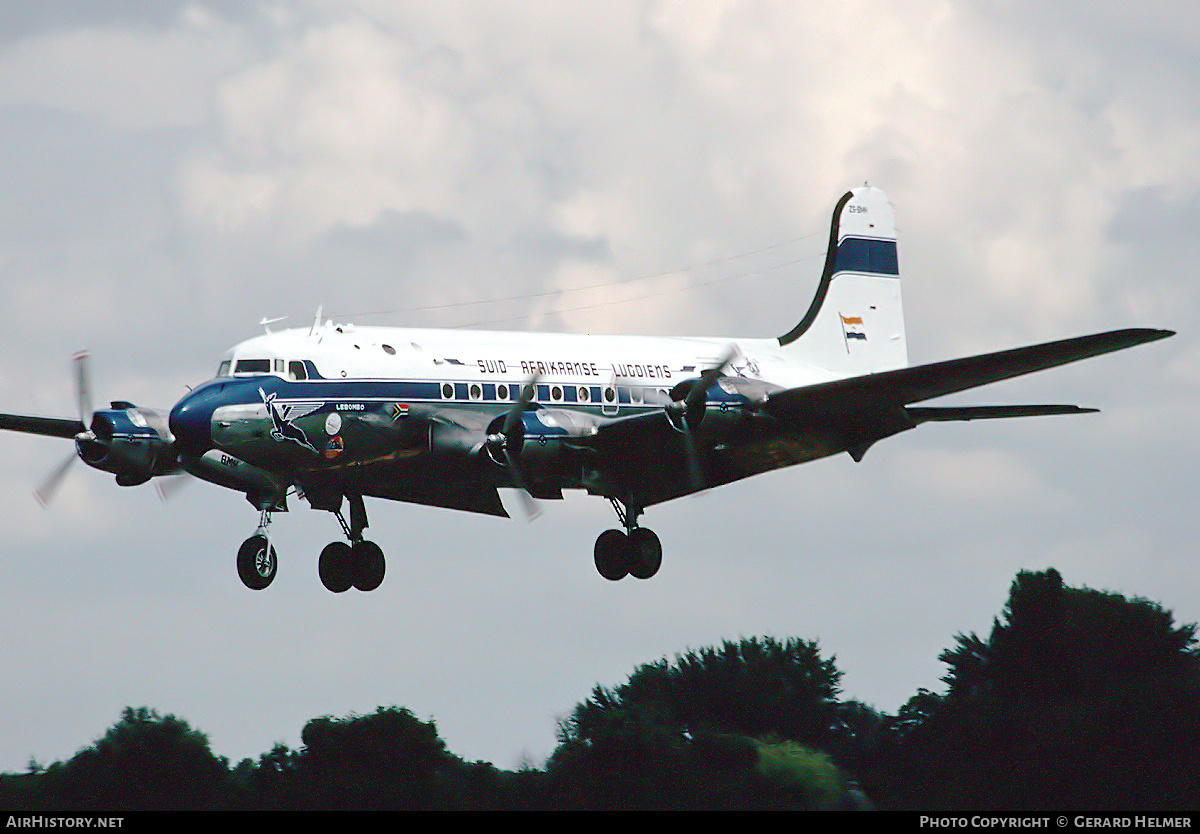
(635, 552)
(256, 562)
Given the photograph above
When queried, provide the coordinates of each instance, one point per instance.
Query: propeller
(83, 398)
(687, 414)
(171, 485)
(508, 441)
(45, 492)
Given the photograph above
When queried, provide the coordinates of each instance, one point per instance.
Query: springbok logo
(282, 427)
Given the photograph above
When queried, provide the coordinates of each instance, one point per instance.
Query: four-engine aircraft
(335, 413)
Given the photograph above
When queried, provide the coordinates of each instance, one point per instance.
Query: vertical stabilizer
(855, 324)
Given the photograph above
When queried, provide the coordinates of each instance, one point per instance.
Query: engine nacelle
(725, 394)
(537, 446)
(132, 443)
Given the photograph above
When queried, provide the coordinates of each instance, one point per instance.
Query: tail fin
(855, 324)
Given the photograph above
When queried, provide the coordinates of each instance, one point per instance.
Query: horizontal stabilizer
(924, 382)
(929, 414)
(49, 426)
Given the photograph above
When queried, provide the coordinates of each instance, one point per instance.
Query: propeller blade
(695, 469)
(528, 392)
(83, 387)
(511, 424)
(696, 397)
(693, 407)
(171, 485)
(528, 502)
(45, 493)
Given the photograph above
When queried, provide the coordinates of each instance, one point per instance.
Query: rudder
(855, 323)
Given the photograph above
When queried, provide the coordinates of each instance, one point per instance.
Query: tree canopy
(1077, 699)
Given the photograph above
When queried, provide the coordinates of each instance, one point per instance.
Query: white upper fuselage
(347, 352)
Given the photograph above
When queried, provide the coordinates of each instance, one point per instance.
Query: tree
(1077, 699)
(389, 759)
(717, 728)
(144, 762)
(755, 687)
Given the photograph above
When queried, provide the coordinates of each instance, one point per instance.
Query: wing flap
(990, 412)
(469, 497)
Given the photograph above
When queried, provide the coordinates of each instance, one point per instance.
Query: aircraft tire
(256, 563)
(612, 555)
(367, 565)
(645, 553)
(334, 567)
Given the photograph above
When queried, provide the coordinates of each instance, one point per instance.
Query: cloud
(128, 77)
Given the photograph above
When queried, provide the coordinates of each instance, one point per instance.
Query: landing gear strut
(256, 562)
(635, 552)
(359, 563)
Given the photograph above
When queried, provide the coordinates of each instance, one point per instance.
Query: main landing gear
(359, 563)
(636, 551)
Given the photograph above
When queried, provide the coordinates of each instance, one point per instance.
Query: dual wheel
(637, 554)
(342, 565)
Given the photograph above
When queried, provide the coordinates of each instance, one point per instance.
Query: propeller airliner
(333, 414)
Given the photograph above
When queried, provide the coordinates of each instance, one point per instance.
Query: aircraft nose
(191, 422)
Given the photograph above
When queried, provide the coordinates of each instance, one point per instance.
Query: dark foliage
(145, 762)
(756, 687)
(683, 734)
(1078, 699)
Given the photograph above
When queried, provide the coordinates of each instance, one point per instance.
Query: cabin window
(296, 370)
(556, 393)
(447, 391)
(476, 391)
(252, 366)
(584, 393)
(389, 350)
(610, 394)
(502, 391)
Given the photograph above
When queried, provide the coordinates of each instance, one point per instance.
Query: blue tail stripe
(856, 254)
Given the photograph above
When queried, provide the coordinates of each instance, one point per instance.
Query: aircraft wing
(924, 382)
(796, 425)
(48, 426)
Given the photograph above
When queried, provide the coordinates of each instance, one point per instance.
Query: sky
(173, 172)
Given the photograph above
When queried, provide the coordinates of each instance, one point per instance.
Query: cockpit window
(224, 369)
(252, 366)
(296, 370)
